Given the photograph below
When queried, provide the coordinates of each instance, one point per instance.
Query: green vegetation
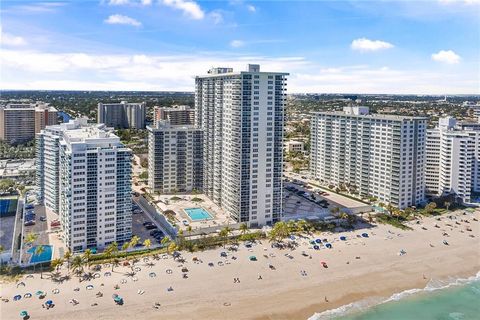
(143, 175)
(196, 199)
(391, 220)
(20, 151)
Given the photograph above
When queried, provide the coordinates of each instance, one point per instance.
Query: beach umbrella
(17, 297)
(23, 314)
(49, 302)
(316, 247)
(365, 235)
(328, 245)
(318, 241)
(343, 238)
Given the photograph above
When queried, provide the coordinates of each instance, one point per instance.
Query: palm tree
(77, 264)
(67, 256)
(111, 251)
(223, 234)
(243, 228)
(38, 251)
(302, 225)
(86, 256)
(172, 247)
(56, 263)
(147, 243)
(31, 238)
(2, 248)
(447, 204)
(134, 241)
(125, 246)
(165, 241)
(189, 230)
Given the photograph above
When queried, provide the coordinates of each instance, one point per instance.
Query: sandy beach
(358, 269)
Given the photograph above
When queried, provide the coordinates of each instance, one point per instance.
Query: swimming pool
(45, 256)
(197, 214)
(8, 207)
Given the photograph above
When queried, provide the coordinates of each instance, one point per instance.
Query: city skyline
(161, 45)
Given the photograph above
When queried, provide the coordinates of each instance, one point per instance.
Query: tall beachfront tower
(381, 156)
(242, 118)
(85, 177)
(452, 166)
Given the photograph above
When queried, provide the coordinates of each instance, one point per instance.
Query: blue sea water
(455, 300)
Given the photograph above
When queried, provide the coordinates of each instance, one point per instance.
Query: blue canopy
(328, 245)
(343, 238)
(365, 235)
(316, 247)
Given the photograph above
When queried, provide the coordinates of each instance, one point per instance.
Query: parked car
(29, 223)
(29, 206)
(150, 227)
(185, 222)
(146, 223)
(43, 219)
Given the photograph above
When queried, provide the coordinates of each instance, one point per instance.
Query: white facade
(242, 116)
(294, 146)
(174, 158)
(380, 155)
(452, 161)
(87, 171)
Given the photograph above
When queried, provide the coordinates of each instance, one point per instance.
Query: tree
(38, 252)
(67, 256)
(165, 241)
(125, 246)
(2, 248)
(447, 204)
(77, 264)
(31, 238)
(430, 207)
(86, 257)
(147, 243)
(335, 210)
(56, 263)
(243, 228)
(223, 234)
(407, 213)
(143, 175)
(111, 251)
(172, 247)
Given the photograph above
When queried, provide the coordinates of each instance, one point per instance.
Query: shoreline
(283, 293)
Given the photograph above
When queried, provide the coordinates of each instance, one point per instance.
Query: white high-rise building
(242, 117)
(378, 155)
(452, 161)
(174, 158)
(85, 177)
(122, 115)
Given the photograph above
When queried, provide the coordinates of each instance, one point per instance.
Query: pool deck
(219, 218)
(209, 215)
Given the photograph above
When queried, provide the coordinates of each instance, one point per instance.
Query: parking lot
(138, 228)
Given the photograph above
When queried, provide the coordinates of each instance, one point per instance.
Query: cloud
(446, 56)
(237, 43)
(25, 69)
(467, 2)
(189, 8)
(128, 2)
(120, 19)
(364, 44)
(7, 39)
(216, 16)
(251, 8)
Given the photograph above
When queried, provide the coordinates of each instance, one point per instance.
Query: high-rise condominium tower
(378, 155)
(174, 157)
(85, 177)
(452, 161)
(20, 122)
(122, 115)
(242, 115)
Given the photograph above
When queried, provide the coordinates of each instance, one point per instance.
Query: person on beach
(326, 300)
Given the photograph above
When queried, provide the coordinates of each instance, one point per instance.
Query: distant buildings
(377, 155)
(122, 115)
(20, 122)
(176, 115)
(174, 157)
(241, 115)
(84, 175)
(452, 160)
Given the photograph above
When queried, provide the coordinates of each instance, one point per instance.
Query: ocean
(457, 299)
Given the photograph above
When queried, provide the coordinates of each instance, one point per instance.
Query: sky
(395, 47)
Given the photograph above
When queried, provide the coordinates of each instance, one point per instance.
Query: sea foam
(364, 304)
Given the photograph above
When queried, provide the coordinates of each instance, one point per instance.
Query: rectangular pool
(198, 214)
